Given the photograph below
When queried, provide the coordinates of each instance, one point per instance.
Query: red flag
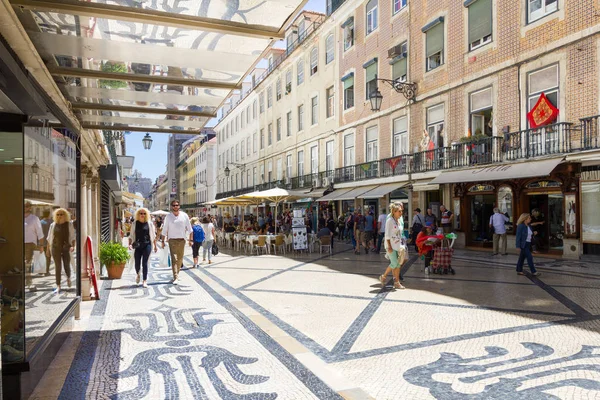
(542, 113)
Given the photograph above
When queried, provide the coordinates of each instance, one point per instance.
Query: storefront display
(590, 198)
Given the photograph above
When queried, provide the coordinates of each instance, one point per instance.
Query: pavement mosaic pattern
(313, 326)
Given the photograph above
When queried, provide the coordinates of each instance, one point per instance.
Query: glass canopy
(152, 64)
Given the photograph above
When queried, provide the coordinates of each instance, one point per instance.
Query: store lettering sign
(499, 168)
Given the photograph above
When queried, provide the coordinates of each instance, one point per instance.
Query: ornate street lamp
(34, 167)
(147, 142)
(376, 98)
(409, 90)
(227, 171)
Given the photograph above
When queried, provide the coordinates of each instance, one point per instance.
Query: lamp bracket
(408, 89)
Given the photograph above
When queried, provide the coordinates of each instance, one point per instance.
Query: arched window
(329, 49)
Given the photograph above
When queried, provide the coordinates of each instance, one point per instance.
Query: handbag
(215, 249)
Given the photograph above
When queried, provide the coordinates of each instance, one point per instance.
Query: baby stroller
(442, 258)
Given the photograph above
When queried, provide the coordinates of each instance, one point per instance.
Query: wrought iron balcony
(559, 138)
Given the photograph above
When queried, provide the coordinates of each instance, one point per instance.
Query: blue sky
(151, 163)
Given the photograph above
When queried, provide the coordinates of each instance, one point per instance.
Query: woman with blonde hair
(61, 243)
(142, 238)
(524, 236)
(395, 245)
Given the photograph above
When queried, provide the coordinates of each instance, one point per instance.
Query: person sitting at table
(270, 229)
(229, 228)
(252, 228)
(262, 230)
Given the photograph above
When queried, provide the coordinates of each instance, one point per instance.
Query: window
(398, 5)
(278, 129)
(330, 102)
(242, 120)
(289, 124)
(262, 139)
(261, 99)
(247, 115)
(349, 92)
(269, 97)
(279, 169)
(370, 77)
(300, 117)
(480, 23)
(270, 171)
(435, 125)
(480, 106)
(329, 49)
(371, 16)
(314, 160)
(248, 184)
(278, 89)
(329, 156)
(262, 173)
(545, 80)
(400, 64)
(348, 33)
(314, 110)
(254, 180)
(435, 45)
(314, 60)
(349, 150)
(242, 152)
(537, 9)
(301, 31)
(300, 73)
(288, 81)
(270, 135)
(288, 166)
(254, 142)
(372, 136)
(400, 141)
(254, 110)
(301, 163)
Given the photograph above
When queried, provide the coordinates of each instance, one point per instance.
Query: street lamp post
(409, 90)
(147, 142)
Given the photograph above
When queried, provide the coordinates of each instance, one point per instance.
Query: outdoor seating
(261, 244)
(279, 243)
(325, 242)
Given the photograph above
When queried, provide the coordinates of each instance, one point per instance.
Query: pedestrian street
(315, 326)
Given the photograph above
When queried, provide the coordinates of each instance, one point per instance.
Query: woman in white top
(209, 237)
(395, 246)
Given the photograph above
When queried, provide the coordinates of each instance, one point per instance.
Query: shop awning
(500, 172)
(354, 193)
(332, 196)
(382, 190)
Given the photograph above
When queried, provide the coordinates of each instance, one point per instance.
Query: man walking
(381, 228)
(497, 221)
(176, 229)
(446, 219)
(34, 240)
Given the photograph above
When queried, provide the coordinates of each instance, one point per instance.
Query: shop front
(551, 196)
(590, 221)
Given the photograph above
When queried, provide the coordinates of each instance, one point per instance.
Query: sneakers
(382, 279)
(175, 281)
(137, 279)
(536, 273)
(56, 290)
(398, 285)
(144, 284)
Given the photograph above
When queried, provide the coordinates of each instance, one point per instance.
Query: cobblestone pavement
(316, 326)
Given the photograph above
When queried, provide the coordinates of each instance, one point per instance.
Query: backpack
(198, 233)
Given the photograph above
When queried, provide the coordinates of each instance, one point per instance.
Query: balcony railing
(559, 138)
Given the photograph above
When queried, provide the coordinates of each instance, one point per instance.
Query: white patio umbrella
(230, 201)
(159, 212)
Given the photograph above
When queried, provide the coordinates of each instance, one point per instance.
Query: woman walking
(394, 245)
(524, 236)
(209, 237)
(197, 239)
(61, 243)
(142, 239)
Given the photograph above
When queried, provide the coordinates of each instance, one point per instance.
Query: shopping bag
(39, 262)
(164, 257)
(215, 249)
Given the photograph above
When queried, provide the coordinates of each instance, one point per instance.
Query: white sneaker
(144, 284)
(137, 279)
(175, 282)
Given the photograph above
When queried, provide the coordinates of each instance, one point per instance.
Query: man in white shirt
(34, 240)
(497, 221)
(381, 228)
(177, 228)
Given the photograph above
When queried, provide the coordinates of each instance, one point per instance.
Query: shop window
(314, 60)
(349, 93)
(400, 134)
(434, 44)
(370, 77)
(348, 33)
(399, 62)
(435, 125)
(480, 23)
(329, 49)
(537, 9)
(481, 112)
(371, 17)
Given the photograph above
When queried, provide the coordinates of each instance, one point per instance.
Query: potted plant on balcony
(114, 256)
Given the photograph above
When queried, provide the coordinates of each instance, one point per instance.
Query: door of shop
(547, 209)
(481, 209)
(371, 205)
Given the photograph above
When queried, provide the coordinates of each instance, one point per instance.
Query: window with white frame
(262, 173)
(400, 135)
(254, 178)
(255, 142)
(480, 107)
(314, 160)
(248, 183)
(301, 163)
(301, 31)
(349, 150)
(545, 80)
(480, 23)
(242, 120)
(314, 60)
(398, 5)
(237, 152)
(270, 135)
(261, 99)
(242, 152)
(269, 97)
(278, 129)
(370, 77)
(348, 92)
(270, 171)
(372, 139)
(435, 124)
(329, 166)
(400, 63)
(434, 42)
(314, 110)
(288, 81)
(300, 72)
(537, 9)
(278, 89)
(248, 146)
(279, 170)
(348, 27)
(288, 166)
(329, 49)
(289, 124)
(300, 117)
(247, 115)
(262, 139)
(254, 109)
(330, 102)
(372, 18)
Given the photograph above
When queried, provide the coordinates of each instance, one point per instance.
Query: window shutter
(371, 71)
(480, 19)
(348, 83)
(399, 68)
(435, 39)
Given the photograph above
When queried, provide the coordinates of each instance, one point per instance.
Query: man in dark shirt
(331, 227)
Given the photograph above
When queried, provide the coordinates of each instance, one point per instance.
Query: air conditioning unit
(327, 181)
(316, 183)
(395, 51)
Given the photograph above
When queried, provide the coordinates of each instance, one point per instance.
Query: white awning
(528, 169)
(332, 196)
(354, 193)
(382, 190)
(425, 187)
